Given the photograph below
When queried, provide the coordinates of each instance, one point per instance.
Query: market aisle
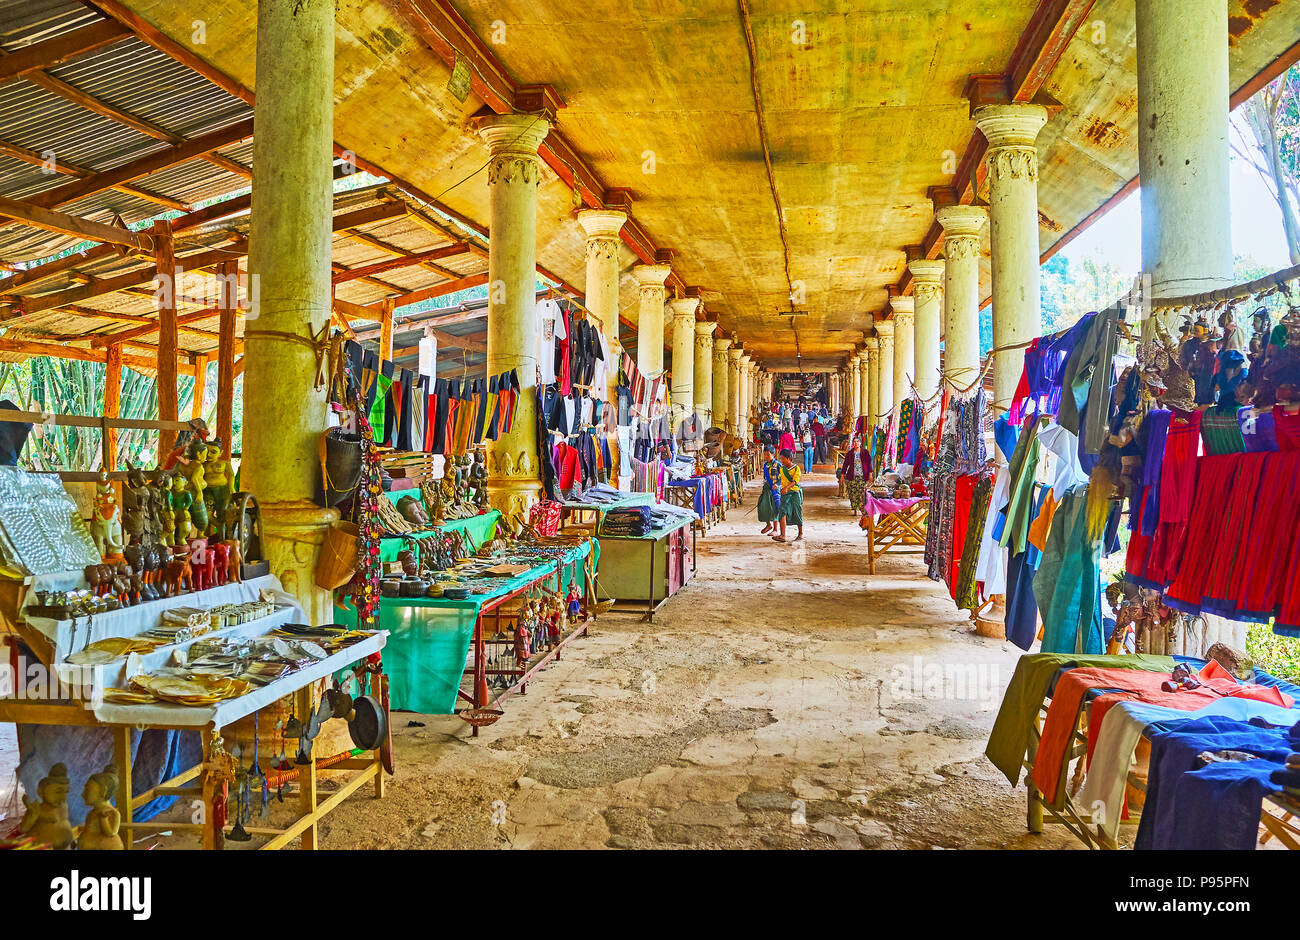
(771, 703)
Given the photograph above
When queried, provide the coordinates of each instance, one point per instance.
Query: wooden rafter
(171, 156)
(402, 261)
(30, 63)
(109, 285)
(63, 351)
(64, 224)
(33, 158)
(60, 49)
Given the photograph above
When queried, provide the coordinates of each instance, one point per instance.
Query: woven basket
(338, 555)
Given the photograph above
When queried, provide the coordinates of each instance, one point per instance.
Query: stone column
(855, 387)
(721, 382)
(289, 261)
(927, 291)
(1011, 130)
(1183, 88)
(704, 371)
(904, 347)
(746, 395)
(514, 475)
(683, 377)
(733, 388)
(650, 319)
(603, 249)
(961, 291)
(869, 374)
(885, 403)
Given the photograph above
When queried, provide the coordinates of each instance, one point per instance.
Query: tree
(1267, 137)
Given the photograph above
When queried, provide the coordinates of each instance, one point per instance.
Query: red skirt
(1206, 530)
(1237, 539)
(1271, 561)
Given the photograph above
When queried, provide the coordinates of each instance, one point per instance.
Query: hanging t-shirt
(550, 331)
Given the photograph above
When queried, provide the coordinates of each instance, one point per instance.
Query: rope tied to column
(318, 343)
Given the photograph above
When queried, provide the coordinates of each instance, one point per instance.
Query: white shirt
(550, 331)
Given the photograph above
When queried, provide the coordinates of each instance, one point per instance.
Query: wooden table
(901, 530)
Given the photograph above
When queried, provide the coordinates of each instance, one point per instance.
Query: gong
(368, 725)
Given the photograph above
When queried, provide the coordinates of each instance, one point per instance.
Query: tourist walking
(806, 439)
(791, 508)
(769, 500)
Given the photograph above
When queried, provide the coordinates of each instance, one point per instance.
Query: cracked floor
(784, 699)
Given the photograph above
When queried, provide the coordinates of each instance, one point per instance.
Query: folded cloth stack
(633, 521)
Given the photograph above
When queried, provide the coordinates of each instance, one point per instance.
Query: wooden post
(229, 299)
(122, 757)
(307, 776)
(165, 271)
(386, 330)
(112, 406)
(200, 386)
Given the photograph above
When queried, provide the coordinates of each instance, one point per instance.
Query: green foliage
(1278, 655)
(68, 386)
(1070, 289)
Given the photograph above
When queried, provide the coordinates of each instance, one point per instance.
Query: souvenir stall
(470, 628)
(158, 660)
(647, 556)
(474, 604)
(1173, 731)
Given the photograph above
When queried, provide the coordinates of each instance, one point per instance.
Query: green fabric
(1009, 738)
(382, 385)
(767, 509)
(1020, 505)
(1067, 584)
(429, 638)
(478, 528)
(792, 507)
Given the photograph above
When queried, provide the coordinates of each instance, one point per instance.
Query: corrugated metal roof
(136, 79)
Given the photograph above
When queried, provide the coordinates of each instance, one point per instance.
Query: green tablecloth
(428, 644)
(478, 528)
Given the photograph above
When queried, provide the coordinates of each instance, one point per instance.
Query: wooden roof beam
(180, 153)
(64, 224)
(404, 261)
(62, 351)
(60, 49)
(202, 259)
(32, 158)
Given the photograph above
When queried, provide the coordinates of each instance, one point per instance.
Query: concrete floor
(784, 699)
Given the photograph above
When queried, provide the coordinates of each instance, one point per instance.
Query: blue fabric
(1216, 806)
(1005, 435)
(1022, 610)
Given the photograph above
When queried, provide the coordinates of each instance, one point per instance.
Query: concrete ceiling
(863, 108)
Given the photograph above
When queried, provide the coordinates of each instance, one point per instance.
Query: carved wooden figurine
(100, 830)
(46, 818)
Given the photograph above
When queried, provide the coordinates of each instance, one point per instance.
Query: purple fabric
(871, 505)
(1158, 430)
(1264, 436)
(1045, 364)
